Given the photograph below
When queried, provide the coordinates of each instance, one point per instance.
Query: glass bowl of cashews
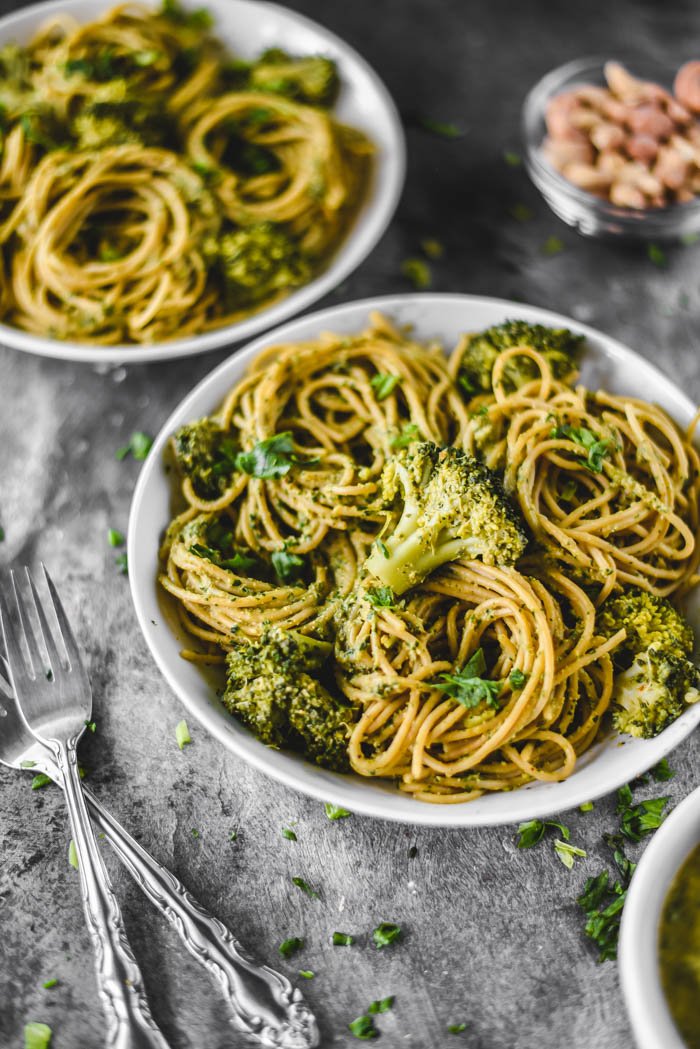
(615, 148)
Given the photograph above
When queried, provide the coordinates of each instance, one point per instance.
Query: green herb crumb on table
(37, 1035)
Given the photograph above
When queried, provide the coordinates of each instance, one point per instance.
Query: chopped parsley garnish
(363, 1028)
(552, 246)
(381, 596)
(288, 567)
(37, 1036)
(182, 734)
(342, 939)
(289, 947)
(2, 534)
(586, 807)
(288, 834)
(240, 562)
(418, 272)
(48, 984)
(444, 129)
(73, 854)
(596, 448)
(91, 726)
(656, 255)
(662, 771)
(139, 446)
(122, 563)
(532, 831)
(517, 678)
(602, 904)
(385, 934)
(636, 821)
(522, 213)
(115, 538)
(468, 687)
(308, 974)
(382, 383)
(382, 547)
(456, 1028)
(195, 833)
(567, 852)
(305, 888)
(273, 457)
(690, 238)
(233, 835)
(409, 432)
(336, 812)
(512, 159)
(200, 18)
(40, 780)
(383, 1005)
(433, 248)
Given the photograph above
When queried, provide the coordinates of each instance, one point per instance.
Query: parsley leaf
(522, 213)
(288, 834)
(468, 687)
(603, 905)
(115, 538)
(139, 446)
(48, 984)
(409, 432)
(517, 678)
(638, 820)
(363, 1028)
(383, 1005)
(305, 888)
(432, 247)
(288, 567)
(122, 563)
(662, 771)
(289, 947)
(656, 255)
(442, 128)
(567, 852)
(37, 1036)
(456, 1028)
(40, 780)
(596, 448)
(273, 457)
(336, 812)
(382, 547)
(512, 159)
(182, 734)
(381, 596)
(552, 246)
(586, 807)
(418, 272)
(342, 939)
(532, 832)
(308, 974)
(73, 854)
(382, 383)
(385, 934)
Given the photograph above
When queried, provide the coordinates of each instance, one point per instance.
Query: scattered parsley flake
(91, 726)
(512, 159)
(289, 947)
(115, 538)
(517, 678)
(418, 272)
(656, 255)
(336, 812)
(73, 854)
(2, 534)
(567, 852)
(27, 764)
(383, 1005)
(363, 1028)
(587, 806)
(636, 821)
(195, 833)
(182, 734)
(122, 563)
(522, 213)
(288, 567)
(233, 835)
(37, 1036)
(381, 596)
(409, 432)
(532, 831)
(382, 383)
(139, 446)
(445, 129)
(456, 1028)
(48, 984)
(433, 248)
(342, 939)
(595, 448)
(272, 457)
(40, 780)
(308, 974)
(385, 934)
(690, 238)
(305, 888)
(662, 771)
(288, 834)
(552, 246)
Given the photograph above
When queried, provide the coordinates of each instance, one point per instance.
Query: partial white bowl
(648, 1009)
(248, 27)
(605, 767)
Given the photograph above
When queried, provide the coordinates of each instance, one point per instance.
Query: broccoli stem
(410, 560)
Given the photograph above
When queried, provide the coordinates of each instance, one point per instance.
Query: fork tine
(19, 672)
(5, 686)
(75, 661)
(55, 661)
(30, 638)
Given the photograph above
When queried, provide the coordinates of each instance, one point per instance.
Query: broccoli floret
(558, 346)
(256, 262)
(653, 692)
(119, 120)
(207, 455)
(270, 687)
(648, 620)
(313, 79)
(453, 506)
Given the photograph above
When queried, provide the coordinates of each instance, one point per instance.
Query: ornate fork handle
(265, 1005)
(129, 1021)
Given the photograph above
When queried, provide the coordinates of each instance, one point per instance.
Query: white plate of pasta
(437, 563)
(178, 177)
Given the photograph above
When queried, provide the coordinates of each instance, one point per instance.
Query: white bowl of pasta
(172, 191)
(539, 635)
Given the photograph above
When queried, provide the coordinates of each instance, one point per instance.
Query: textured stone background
(492, 935)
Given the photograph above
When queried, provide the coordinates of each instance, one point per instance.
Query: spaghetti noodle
(151, 187)
(291, 467)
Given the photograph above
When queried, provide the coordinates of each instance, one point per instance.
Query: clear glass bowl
(587, 213)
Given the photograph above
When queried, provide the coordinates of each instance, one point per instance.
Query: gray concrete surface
(492, 935)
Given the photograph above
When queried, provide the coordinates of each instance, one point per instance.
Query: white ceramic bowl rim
(364, 102)
(601, 770)
(671, 845)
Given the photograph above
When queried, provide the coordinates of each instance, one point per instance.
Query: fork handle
(263, 1002)
(129, 1021)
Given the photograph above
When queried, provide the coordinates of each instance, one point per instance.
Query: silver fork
(265, 1005)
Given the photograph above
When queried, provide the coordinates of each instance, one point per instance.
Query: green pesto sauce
(679, 950)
